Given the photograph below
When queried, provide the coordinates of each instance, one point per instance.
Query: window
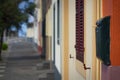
(80, 30)
(58, 22)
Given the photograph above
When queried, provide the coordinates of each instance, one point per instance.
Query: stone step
(23, 57)
(51, 75)
(2, 71)
(47, 75)
(23, 51)
(45, 71)
(21, 47)
(42, 76)
(40, 66)
(1, 77)
(2, 63)
(2, 67)
(45, 68)
(45, 65)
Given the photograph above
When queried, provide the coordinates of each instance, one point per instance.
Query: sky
(23, 30)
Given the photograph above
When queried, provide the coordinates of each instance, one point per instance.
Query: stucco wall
(115, 33)
(111, 7)
(49, 22)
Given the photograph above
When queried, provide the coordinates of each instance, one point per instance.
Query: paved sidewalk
(21, 62)
(21, 70)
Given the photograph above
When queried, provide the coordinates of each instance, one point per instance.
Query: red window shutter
(80, 30)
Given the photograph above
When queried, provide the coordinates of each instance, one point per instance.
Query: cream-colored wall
(49, 23)
(48, 34)
(35, 32)
(92, 13)
(80, 68)
(30, 32)
(39, 16)
(88, 36)
(72, 39)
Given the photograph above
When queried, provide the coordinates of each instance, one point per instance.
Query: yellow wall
(94, 44)
(65, 44)
(96, 64)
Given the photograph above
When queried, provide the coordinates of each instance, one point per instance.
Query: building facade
(69, 39)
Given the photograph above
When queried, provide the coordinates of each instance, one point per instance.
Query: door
(56, 35)
(73, 73)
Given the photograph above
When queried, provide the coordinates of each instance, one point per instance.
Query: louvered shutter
(80, 30)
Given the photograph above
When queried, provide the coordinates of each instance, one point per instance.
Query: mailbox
(103, 40)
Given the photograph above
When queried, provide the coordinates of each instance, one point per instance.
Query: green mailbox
(103, 40)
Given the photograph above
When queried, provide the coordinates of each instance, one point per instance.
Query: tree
(12, 15)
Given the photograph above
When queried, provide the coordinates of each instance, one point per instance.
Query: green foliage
(11, 15)
(30, 25)
(31, 8)
(4, 46)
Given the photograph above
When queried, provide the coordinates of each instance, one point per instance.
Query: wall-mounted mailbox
(103, 40)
